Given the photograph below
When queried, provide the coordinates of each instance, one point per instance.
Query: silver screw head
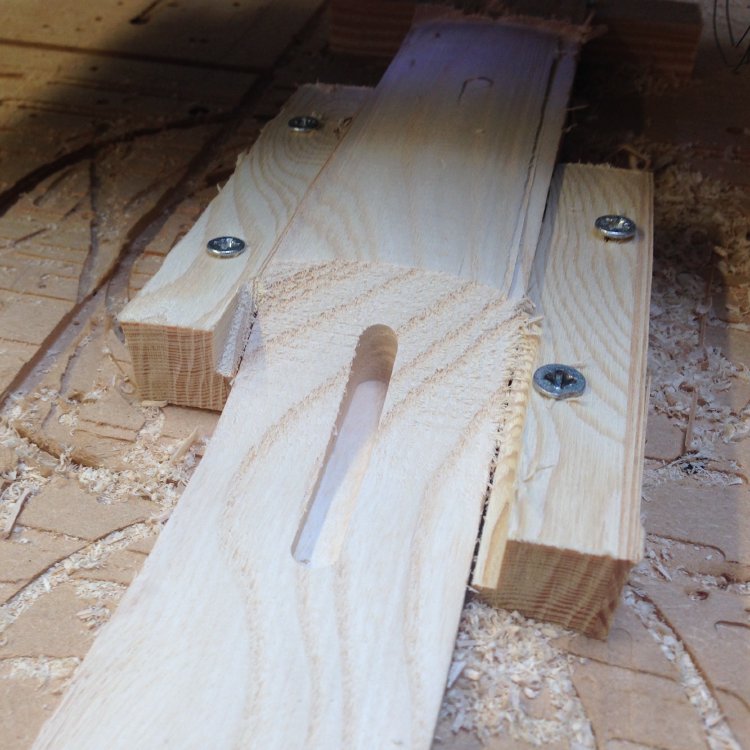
(225, 247)
(615, 227)
(304, 124)
(559, 381)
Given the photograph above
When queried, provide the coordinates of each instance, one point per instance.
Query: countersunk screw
(225, 247)
(559, 381)
(304, 124)
(615, 227)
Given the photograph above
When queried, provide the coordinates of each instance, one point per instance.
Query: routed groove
(324, 525)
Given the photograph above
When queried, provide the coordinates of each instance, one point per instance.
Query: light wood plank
(258, 649)
(563, 530)
(279, 622)
(188, 326)
(441, 170)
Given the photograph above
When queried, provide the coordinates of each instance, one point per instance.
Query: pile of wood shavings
(159, 474)
(507, 677)
(702, 242)
(161, 469)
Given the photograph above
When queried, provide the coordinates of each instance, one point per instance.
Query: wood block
(703, 615)
(187, 328)
(676, 510)
(332, 522)
(28, 553)
(61, 506)
(68, 102)
(31, 634)
(563, 527)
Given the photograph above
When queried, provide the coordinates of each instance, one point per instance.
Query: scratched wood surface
(100, 472)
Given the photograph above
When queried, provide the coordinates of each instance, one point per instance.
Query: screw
(615, 227)
(559, 381)
(304, 124)
(225, 247)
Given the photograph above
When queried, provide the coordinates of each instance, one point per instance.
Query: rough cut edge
(575, 590)
(502, 485)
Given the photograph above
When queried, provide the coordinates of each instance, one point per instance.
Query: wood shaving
(13, 511)
(504, 662)
(43, 669)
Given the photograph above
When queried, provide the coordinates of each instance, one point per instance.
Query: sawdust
(702, 241)
(43, 669)
(101, 592)
(502, 664)
(160, 469)
(701, 466)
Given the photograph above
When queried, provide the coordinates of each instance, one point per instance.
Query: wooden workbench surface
(118, 121)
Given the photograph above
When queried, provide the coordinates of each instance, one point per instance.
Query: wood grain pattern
(570, 515)
(423, 138)
(347, 654)
(187, 328)
(445, 167)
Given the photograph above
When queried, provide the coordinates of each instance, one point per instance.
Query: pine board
(571, 510)
(412, 184)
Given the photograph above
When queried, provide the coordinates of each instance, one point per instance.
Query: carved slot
(323, 528)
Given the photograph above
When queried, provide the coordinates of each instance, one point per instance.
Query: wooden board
(360, 659)
(571, 511)
(348, 566)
